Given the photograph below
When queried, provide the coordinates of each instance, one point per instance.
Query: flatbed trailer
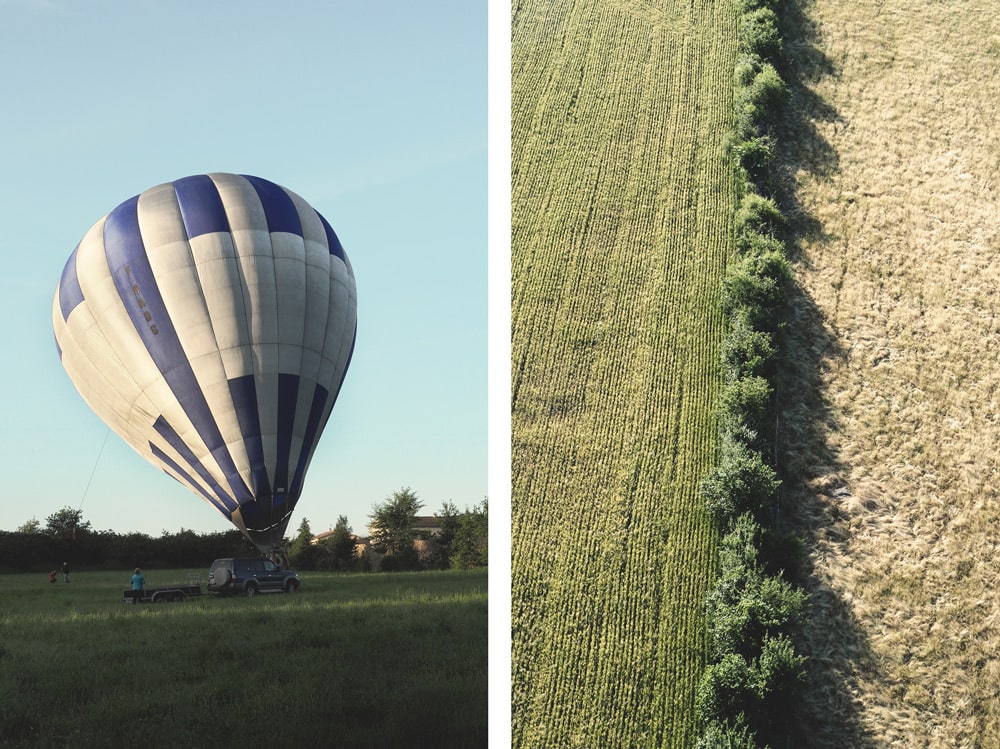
(166, 593)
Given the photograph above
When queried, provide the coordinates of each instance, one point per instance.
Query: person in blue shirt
(138, 583)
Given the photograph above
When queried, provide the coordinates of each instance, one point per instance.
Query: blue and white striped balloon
(210, 322)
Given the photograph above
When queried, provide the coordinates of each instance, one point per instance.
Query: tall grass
(364, 660)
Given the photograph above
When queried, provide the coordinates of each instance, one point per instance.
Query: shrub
(779, 671)
(754, 243)
(739, 549)
(727, 689)
(741, 482)
(759, 35)
(757, 215)
(753, 162)
(721, 734)
(747, 66)
(747, 604)
(755, 286)
(746, 352)
(746, 6)
(758, 102)
(749, 607)
(780, 674)
(744, 403)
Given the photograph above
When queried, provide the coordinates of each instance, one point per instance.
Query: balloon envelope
(210, 322)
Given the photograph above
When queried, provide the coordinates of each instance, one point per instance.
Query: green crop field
(349, 661)
(622, 204)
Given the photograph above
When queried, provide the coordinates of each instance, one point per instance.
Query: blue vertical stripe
(288, 396)
(278, 207)
(201, 206)
(244, 393)
(309, 439)
(70, 293)
(332, 241)
(140, 294)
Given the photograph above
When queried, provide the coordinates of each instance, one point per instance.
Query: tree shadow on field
(832, 638)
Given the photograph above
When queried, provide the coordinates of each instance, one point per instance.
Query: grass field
(622, 206)
(350, 661)
(896, 162)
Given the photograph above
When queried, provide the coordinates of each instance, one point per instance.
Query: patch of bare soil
(893, 455)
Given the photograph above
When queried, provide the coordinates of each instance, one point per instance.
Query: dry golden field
(895, 159)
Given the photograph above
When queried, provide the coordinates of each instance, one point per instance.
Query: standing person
(138, 583)
(65, 572)
(52, 576)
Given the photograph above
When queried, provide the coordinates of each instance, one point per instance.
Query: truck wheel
(251, 590)
(291, 586)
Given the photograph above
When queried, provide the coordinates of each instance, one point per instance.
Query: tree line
(749, 693)
(394, 543)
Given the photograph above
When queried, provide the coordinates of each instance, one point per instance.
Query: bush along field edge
(747, 695)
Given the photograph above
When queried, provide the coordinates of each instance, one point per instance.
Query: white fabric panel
(290, 277)
(342, 319)
(243, 208)
(172, 261)
(338, 315)
(317, 293)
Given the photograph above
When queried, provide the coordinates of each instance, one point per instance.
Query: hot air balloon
(210, 322)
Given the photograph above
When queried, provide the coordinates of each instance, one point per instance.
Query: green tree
(31, 527)
(302, 554)
(66, 523)
(392, 529)
(471, 545)
(443, 542)
(741, 482)
(337, 551)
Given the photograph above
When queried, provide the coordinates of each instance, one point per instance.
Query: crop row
(621, 223)
(747, 695)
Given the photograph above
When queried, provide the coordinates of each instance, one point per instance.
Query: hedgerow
(747, 694)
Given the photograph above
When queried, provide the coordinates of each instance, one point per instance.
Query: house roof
(426, 521)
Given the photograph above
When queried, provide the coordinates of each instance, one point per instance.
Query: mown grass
(351, 660)
(622, 206)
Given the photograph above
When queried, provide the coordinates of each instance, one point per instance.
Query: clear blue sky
(374, 112)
